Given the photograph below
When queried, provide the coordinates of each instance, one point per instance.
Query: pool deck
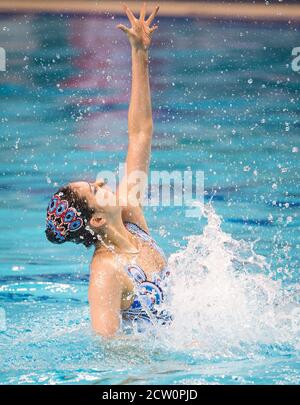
(278, 12)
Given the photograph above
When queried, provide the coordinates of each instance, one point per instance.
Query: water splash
(223, 298)
(226, 308)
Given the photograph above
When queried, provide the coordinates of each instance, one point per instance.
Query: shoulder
(105, 281)
(104, 268)
(103, 261)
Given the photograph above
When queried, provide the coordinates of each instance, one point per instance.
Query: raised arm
(140, 124)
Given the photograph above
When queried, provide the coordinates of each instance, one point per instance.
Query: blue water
(225, 101)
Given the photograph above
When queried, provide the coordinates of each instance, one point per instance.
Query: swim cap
(62, 220)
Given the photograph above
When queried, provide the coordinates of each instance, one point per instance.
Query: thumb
(123, 28)
(153, 28)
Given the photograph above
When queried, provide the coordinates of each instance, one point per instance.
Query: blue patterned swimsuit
(149, 294)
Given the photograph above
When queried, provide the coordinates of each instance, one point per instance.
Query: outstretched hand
(140, 33)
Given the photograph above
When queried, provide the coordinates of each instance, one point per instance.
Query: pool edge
(216, 10)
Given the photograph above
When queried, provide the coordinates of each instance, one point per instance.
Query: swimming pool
(225, 101)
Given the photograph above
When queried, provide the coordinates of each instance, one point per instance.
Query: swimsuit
(149, 294)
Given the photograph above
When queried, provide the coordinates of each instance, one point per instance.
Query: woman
(128, 268)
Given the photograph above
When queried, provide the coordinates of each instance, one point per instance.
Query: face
(98, 195)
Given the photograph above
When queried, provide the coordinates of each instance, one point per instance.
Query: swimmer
(128, 269)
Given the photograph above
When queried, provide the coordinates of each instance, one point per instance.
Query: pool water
(225, 101)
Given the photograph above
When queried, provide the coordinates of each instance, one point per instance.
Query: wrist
(139, 51)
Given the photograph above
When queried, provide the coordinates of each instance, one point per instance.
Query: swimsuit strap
(137, 230)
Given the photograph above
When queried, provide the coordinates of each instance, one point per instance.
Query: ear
(97, 221)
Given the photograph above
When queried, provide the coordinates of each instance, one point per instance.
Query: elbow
(148, 127)
(141, 137)
(107, 331)
(105, 334)
(141, 131)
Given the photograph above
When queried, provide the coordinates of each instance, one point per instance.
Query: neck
(117, 238)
